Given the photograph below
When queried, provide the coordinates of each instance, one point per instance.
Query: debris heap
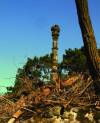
(47, 101)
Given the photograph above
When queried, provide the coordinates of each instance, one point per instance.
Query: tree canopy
(39, 68)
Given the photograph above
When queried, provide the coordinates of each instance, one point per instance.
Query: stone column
(55, 33)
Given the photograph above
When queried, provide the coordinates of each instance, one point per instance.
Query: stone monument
(55, 34)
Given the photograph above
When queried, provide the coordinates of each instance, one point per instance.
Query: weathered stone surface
(74, 115)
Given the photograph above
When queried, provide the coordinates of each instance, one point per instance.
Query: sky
(25, 31)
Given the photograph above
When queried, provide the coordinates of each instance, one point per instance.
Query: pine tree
(89, 40)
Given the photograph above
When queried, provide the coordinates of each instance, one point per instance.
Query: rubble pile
(47, 103)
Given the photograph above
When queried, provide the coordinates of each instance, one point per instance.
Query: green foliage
(74, 60)
(35, 69)
(39, 68)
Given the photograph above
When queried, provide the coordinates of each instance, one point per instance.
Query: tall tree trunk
(89, 40)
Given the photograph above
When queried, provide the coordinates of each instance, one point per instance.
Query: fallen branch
(80, 94)
(15, 116)
(7, 100)
(28, 109)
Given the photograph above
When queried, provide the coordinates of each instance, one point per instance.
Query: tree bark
(89, 41)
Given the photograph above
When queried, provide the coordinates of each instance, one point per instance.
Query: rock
(56, 110)
(57, 120)
(47, 113)
(71, 116)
